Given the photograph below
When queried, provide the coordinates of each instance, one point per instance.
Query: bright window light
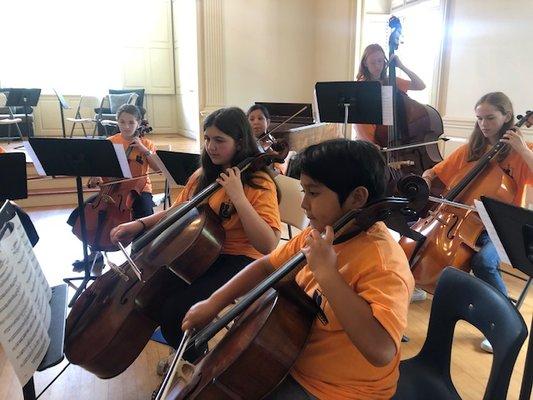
(70, 45)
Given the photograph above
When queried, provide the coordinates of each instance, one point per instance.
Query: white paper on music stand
(386, 105)
(491, 230)
(164, 170)
(36, 163)
(24, 302)
(122, 160)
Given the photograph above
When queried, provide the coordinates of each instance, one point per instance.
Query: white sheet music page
(386, 105)
(485, 218)
(24, 302)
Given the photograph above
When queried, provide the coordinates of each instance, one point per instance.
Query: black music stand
(56, 331)
(180, 166)
(23, 98)
(63, 105)
(513, 229)
(78, 158)
(13, 182)
(349, 102)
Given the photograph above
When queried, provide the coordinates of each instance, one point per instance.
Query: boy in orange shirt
(364, 282)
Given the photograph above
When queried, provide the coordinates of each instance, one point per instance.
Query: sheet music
(24, 301)
(386, 105)
(172, 183)
(123, 160)
(36, 163)
(485, 218)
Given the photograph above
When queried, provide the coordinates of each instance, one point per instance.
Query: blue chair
(460, 296)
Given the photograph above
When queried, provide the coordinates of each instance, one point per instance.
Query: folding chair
(86, 103)
(9, 119)
(290, 210)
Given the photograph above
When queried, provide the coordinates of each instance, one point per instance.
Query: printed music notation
(24, 300)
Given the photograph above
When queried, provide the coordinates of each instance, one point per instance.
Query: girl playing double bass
(247, 206)
(363, 284)
(373, 67)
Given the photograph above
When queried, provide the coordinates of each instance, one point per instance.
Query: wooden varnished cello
(112, 206)
(111, 322)
(451, 232)
(272, 326)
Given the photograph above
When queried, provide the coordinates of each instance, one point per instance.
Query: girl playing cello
(247, 205)
(373, 67)
(495, 120)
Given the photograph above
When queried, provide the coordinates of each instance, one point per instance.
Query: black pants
(184, 296)
(289, 389)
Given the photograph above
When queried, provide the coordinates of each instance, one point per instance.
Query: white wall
(490, 50)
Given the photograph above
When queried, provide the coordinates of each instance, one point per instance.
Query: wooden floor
(58, 248)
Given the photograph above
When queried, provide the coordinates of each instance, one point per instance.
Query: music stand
(63, 105)
(23, 98)
(13, 182)
(179, 165)
(78, 158)
(511, 230)
(350, 102)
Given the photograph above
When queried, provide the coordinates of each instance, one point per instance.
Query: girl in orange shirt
(495, 118)
(373, 67)
(363, 282)
(259, 119)
(247, 205)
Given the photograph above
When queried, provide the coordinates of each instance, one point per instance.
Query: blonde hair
(478, 142)
(364, 74)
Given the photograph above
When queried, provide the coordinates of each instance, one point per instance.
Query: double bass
(411, 144)
(112, 206)
(271, 326)
(111, 321)
(450, 232)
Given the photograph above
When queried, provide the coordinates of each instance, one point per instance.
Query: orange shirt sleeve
(188, 189)
(447, 168)
(2, 150)
(265, 200)
(282, 253)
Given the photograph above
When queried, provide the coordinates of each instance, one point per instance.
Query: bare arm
(205, 311)
(353, 312)
(516, 140)
(416, 82)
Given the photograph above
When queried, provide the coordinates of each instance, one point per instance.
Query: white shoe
(486, 346)
(418, 295)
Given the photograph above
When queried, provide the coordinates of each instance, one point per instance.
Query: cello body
(112, 206)
(273, 330)
(112, 320)
(451, 232)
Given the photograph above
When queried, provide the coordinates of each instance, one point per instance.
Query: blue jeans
(485, 263)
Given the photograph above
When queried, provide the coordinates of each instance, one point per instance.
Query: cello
(112, 205)
(411, 144)
(111, 321)
(272, 326)
(450, 232)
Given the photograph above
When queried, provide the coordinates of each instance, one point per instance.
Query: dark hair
(137, 112)
(233, 122)
(260, 107)
(478, 142)
(343, 165)
(364, 74)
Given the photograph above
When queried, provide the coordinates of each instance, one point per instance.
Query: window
(420, 45)
(70, 45)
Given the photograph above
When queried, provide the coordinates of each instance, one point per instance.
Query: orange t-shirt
(2, 150)
(368, 130)
(375, 266)
(513, 165)
(137, 161)
(264, 201)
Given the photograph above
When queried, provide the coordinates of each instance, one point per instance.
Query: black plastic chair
(460, 296)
